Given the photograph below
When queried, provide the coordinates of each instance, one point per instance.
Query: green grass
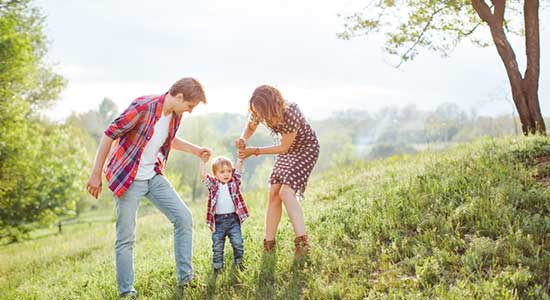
(468, 223)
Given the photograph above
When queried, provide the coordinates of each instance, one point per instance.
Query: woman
(297, 154)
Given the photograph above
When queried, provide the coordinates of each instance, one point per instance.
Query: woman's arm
(248, 131)
(286, 142)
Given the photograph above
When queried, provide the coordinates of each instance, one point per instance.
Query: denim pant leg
(218, 245)
(126, 215)
(236, 239)
(165, 198)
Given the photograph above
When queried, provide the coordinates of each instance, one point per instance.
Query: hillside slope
(469, 223)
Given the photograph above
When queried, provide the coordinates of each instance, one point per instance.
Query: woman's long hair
(267, 105)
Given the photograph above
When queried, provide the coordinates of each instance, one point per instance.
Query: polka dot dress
(294, 167)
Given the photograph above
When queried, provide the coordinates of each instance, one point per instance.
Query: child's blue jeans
(227, 225)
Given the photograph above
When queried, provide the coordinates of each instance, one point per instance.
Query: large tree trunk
(532, 72)
(524, 91)
(508, 57)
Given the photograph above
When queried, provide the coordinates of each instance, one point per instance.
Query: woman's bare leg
(274, 211)
(293, 209)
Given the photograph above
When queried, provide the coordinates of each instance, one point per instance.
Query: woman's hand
(240, 143)
(245, 153)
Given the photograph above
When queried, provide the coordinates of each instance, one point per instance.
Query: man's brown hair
(190, 88)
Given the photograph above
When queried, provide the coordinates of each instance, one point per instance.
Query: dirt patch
(542, 163)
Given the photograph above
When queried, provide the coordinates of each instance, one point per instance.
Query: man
(144, 134)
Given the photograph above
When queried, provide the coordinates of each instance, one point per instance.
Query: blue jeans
(165, 198)
(227, 225)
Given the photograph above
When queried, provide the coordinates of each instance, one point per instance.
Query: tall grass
(469, 223)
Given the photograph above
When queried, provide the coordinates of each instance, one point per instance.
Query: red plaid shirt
(212, 184)
(132, 130)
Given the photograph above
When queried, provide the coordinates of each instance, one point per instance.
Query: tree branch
(420, 37)
(483, 10)
(369, 29)
(464, 33)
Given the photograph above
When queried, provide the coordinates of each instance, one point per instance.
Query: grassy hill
(469, 223)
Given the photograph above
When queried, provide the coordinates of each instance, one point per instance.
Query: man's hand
(94, 184)
(205, 156)
(204, 153)
(240, 143)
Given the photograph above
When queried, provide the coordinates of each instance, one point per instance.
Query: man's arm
(94, 182)
(123, 124)
(185, 146)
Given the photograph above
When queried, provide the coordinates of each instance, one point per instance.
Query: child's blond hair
(220, 161)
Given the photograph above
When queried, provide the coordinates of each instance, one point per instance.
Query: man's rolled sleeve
(124, 123)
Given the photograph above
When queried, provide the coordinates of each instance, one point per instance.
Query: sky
(124, 49)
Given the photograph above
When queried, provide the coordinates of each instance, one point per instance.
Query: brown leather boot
(269, 246)
(302, 245)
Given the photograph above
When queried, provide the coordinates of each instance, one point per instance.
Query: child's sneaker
(129, 296)
(240, 266)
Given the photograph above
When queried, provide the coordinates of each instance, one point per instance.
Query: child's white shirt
(225, 204)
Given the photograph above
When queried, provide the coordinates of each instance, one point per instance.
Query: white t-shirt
(146, 169)
(224, 205)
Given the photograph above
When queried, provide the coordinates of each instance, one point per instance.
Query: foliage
(41, 173)
(337, 150)
(95, 122)
(24, 73)
(409, 25)
(40, 163)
